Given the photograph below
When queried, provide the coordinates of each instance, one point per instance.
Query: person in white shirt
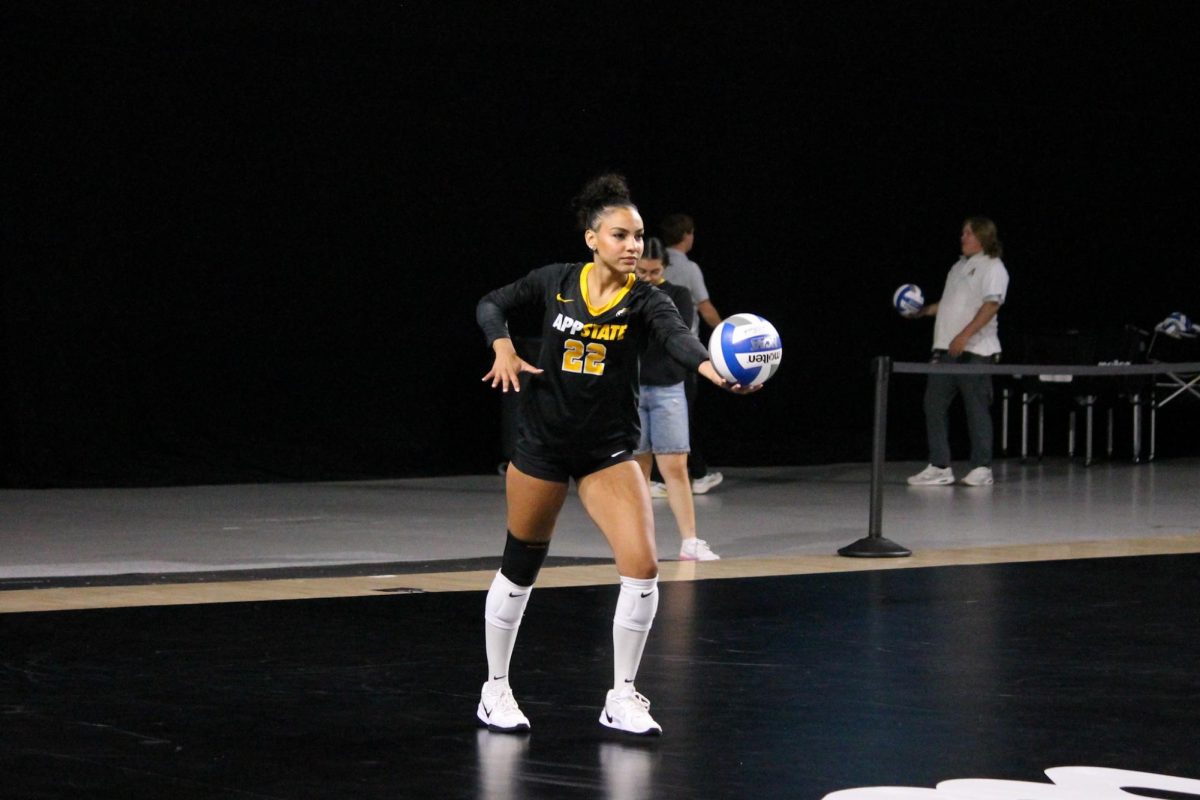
(965, 331)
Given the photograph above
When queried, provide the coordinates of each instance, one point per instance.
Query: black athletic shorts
(560, 465)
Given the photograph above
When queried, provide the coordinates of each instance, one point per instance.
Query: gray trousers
(976, 390)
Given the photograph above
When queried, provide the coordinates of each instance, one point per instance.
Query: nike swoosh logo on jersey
(498, 677)
(515, 594)
(558, 296)
(647, 594)
(620, 312)
(629, 680)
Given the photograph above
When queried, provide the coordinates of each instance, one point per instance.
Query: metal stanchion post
(874, 545)
(1004, 393)
(1153, 420)
(1137, 427)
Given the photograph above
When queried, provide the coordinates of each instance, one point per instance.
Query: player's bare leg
(618, 501)
(533, 507)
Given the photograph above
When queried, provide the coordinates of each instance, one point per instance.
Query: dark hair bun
(601, 192)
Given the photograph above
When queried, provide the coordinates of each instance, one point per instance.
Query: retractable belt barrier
(874, 545)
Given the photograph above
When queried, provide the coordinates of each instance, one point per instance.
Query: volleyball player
(579, 420)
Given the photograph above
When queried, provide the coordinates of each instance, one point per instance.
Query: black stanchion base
(874, 547)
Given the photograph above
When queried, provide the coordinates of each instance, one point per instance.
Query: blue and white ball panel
(745, 349)
(1178, 325)
(1185, 324)
(908, 300)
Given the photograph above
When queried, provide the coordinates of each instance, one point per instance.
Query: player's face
(970, 242)
(618, 240)
(650, 270)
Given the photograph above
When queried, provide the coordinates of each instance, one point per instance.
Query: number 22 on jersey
(587, 359)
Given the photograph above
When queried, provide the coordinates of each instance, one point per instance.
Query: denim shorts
(664, 414)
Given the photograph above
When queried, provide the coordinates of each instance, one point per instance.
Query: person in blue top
(579, 419)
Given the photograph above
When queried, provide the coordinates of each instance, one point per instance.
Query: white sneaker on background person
(658, 489)
(980, 476)
(696, 550)
(704, 484)
(932, 476)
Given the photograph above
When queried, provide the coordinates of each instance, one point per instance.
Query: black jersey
(587, 394)
(658, 369)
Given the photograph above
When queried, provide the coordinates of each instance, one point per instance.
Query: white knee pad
(505, 603)
(637, 603)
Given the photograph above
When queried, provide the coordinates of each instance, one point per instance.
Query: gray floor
(756, 512)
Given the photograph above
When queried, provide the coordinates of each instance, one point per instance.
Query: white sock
(503, 609)
(636, 607)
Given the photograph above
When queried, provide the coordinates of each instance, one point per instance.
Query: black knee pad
(522, 560)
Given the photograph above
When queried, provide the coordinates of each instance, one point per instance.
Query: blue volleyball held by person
(908, 300)
(745, 349)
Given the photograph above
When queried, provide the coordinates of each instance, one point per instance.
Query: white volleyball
(1178, 326)
(745, 349)
(908, 300)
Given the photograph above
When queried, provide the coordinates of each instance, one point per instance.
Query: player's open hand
(710, 372)
(507, 368)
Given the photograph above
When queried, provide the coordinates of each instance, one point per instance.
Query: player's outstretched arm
(508, 366)
(709, 371)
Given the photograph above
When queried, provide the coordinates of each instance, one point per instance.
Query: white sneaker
(702, 485)
(629, 711)
(932, 476)
(696, 550)
(498, 709)
(658, 489)
(980, 476)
